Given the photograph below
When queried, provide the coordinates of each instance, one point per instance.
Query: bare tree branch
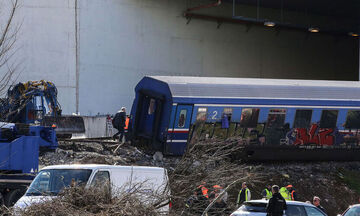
(8, 38)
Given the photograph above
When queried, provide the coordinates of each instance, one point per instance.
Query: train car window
(275, 129)
(228, 112)
(151, 109)
(276, 118)
(201, 114)
(249, 118)
(221, 129)
(201, 130)
(353, 119)
(328, 118)
(182, 118)
(226, 118)
(302, 118)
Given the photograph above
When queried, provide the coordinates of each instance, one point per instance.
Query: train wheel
(13, 196)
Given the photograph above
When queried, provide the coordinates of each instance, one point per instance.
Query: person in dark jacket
(277, 203)
(119, 123)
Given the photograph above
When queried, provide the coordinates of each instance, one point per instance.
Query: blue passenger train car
(274, 118)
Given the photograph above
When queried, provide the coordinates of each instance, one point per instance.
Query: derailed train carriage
(275, 119)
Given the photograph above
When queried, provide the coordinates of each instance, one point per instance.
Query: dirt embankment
(336, 183)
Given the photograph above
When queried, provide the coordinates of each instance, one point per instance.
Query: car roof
(242, 88)
(265, 201)
(101, 166)
(355, 205)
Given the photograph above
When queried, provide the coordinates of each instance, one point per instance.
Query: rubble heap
(93, 201)
(215, 162)
(101, 152)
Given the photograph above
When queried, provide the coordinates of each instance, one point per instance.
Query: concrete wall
(46, 45)
(96, 126)
(120, 41)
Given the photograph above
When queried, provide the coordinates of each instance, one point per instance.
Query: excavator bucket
(65, 124)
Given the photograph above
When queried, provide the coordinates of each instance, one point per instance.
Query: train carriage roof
(219, 87)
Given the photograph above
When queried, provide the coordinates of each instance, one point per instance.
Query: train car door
(148, 118)
(176, 144)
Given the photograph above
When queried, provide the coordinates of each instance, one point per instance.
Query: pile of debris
(93, 201)
(209, 163)
(101, 151)
(214, 162)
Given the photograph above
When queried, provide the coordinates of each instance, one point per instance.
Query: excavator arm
(35, 102)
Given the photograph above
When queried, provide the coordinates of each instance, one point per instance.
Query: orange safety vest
(204, 191)
(292, 194)
(126, 123)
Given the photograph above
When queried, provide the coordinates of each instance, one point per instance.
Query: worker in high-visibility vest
(204, 190)
(244, 194)
(292, 192)
(197, 202)
(285, 193)
(266, 193)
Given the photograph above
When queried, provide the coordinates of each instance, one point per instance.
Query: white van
(52, 179)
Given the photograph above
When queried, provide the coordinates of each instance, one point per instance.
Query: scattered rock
(158, 156)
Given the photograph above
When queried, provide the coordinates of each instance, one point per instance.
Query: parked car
(294, 208)
(353, 210)
(52, 179)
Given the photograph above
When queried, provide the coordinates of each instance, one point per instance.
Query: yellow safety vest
(285, 193)
(246, 195)
(268, 193)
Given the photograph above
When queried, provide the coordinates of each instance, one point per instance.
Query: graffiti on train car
(315, 135)
(274, 130)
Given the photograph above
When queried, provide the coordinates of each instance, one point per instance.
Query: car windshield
(253, 207)
(50, 182)
(354, 211)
